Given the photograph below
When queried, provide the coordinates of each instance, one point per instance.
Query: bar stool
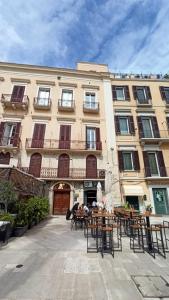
(92, 238)
(117, 241)
(155, 241)
(164, 226)
(107, 244)
(137, 238)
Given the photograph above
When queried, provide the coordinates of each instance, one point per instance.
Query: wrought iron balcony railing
(67, 105)
(42, 103)
(11, 102)
(74, 145)
(91, 106)
(152, 135)
(10, 142)
(73, 173)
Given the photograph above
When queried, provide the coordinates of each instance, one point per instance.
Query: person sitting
(94, 203)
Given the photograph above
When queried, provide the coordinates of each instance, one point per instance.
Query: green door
(161, 201)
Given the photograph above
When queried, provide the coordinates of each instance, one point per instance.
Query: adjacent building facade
(75, 128)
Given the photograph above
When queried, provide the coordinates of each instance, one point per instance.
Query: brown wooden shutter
(148, 92)
(91, 166)
(121, 163)
(63, 166)
(134, 92)
(161, 164)
(146, 164)
(35, 164)
(4, 158)
(136, 161)
(98, 142)
(155, 127)
(117, 125)
(127, 93)
(114, 92)
(140, 127)
(162, 92)
(2, 125)
(17, 93)
(131, 125)
(16, 138)
(38, 135)
(65, 136)
(167, 120)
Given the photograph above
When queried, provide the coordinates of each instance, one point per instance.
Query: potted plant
(149, 208)
(21, 221)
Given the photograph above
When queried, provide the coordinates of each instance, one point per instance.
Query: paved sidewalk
(57, 267)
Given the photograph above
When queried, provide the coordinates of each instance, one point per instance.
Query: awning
(133, 190)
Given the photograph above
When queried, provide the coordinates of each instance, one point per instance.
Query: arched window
(91, 166)
(35, 164)
(4, 158)
(63, 166)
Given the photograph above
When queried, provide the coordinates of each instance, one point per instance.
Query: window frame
(123, 90)
(64, 101)
(127, 121)
(146, 100)
(46, 102)
(132, 163)
(151, 126)
(91, 144)
(166, 88)
(87, 102)
(156, 160)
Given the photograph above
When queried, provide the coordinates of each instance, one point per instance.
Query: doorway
(61, 199)
(90, 196)
(133, 201)
(161, 201)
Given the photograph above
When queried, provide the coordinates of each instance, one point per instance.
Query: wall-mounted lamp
(144, 197)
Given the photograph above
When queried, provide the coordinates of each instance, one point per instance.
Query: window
(120, 93)
(90, 100)
(9, 133)
(43, 96)
(67, 98)
(17, 93)
(123, 124)
(165, 93)
(91, 138)
(142, 94)
(153, 163)
(127, 161)
(147, 128)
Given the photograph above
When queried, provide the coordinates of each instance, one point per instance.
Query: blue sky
(128, 35)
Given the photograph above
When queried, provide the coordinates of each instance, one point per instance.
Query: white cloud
(129, 35)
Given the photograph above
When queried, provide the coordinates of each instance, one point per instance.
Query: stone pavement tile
(97, 286)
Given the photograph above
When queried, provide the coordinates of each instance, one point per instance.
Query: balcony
(74, 173)
(162, 173)
(14, 103)
(48, 145)
(145, 103)
(151, 137)
(42, 103)
(91, 107)
(7, 143)
(66, 105)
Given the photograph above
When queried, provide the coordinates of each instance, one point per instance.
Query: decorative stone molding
(68, 84)
(44, 82)
(88, 86)
(20, 80)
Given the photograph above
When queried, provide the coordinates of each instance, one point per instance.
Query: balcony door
(38, 135)
(63, 166)
(65, 136)
(147, 128)
(91, 166)
(43, 96)
(67, 98)
(9, 134)
(35, 164)
(17, 93)
(90, 100)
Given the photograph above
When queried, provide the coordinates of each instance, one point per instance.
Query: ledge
(90, 121)
(45, 82)
(41, 117)
(66, 119)
(88, 86)
(20, 80)
(68, 84)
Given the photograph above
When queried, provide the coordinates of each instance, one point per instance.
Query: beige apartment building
(53, 126)
(76, 127)
(141, 114)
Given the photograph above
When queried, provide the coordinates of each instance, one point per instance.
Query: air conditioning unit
(102, 173)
